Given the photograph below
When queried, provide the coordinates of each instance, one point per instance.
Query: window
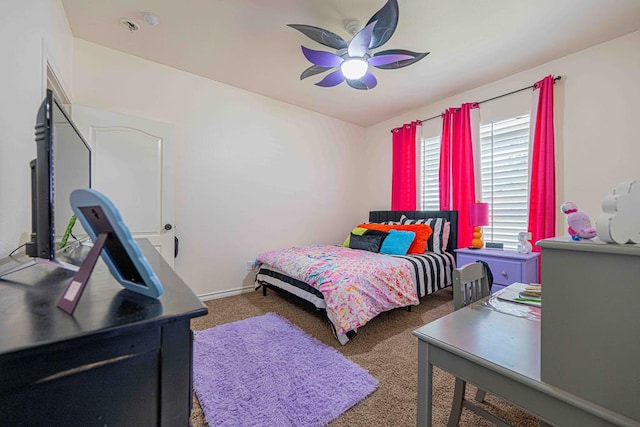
(504, 152)
(429, 172)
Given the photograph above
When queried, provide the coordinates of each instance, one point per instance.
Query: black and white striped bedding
(430, 272)
(268, 275)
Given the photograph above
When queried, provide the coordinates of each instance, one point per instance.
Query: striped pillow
(438, 241)
(384, 222)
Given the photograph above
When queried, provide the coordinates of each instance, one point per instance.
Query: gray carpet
(385, 347)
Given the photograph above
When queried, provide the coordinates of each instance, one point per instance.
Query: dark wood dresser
(122, 359)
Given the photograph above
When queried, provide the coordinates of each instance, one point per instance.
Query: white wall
(253, 174)
(32, 32)
(597, 116)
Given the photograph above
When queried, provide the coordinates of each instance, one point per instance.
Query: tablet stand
(72, 294)
(114, 243)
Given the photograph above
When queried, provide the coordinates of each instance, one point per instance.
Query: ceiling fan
(354, 58)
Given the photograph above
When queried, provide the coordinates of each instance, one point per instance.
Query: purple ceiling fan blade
(331, 79)
(359, 45)
(321, 36)
(414, 57)
(368, 81)
(321, 58)
(387, 18)
(312, 71)
(388, 59)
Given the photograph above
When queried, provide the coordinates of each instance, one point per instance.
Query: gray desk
(500, 353)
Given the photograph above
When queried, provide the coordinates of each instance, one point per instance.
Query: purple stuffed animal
(578, 222)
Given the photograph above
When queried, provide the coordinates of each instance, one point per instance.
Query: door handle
(168, 227)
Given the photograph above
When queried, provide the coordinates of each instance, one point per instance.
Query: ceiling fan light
(354, 68)
(355, 58)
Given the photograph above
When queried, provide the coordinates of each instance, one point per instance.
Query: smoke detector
(130, 24)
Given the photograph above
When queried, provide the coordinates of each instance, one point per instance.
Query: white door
(132, 163)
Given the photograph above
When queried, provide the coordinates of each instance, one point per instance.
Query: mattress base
(299, 291)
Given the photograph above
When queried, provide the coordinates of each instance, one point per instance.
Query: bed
(390, 282)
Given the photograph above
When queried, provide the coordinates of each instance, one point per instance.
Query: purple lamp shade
(479, 214)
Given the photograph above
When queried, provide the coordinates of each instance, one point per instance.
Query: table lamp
(478, 217)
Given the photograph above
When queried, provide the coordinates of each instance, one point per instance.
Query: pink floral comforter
(356, 285)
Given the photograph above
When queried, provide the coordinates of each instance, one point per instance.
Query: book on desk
(522, 293)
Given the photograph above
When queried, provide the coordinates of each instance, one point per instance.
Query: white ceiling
(246, 43)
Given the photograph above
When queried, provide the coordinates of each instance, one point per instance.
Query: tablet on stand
(113, 241)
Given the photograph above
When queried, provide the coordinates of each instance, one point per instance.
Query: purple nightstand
(507, 266)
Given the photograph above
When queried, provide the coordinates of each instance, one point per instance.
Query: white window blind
(504, 148)
(504, 152)
(430, 165)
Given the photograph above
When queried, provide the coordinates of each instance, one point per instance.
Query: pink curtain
(542, 196)
(403, 176)
(456, 156)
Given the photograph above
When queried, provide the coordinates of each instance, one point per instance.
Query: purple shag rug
(265, 371)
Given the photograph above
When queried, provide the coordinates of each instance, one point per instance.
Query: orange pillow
(419, 244)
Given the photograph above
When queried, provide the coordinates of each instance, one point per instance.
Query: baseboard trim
(227, 293)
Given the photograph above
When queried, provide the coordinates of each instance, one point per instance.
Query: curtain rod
(490, 99)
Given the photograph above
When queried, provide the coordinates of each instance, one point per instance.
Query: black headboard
(451, 216)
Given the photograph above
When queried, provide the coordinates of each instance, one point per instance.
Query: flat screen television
(62, 164)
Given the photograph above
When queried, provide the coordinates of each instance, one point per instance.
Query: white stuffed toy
(578, 222)
(620, 219)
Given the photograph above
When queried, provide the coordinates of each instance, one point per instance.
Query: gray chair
(470, 284)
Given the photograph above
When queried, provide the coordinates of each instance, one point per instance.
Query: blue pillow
(397, 242)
